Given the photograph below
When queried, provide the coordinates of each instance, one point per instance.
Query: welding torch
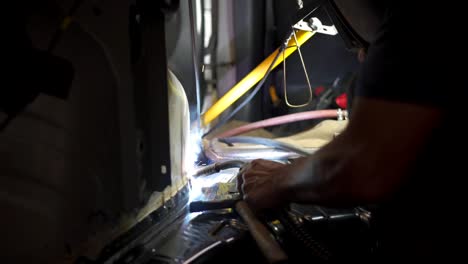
(266, 243)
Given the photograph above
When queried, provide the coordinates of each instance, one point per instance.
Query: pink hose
(280, 120)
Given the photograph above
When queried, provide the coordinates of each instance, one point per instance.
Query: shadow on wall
(60, 160)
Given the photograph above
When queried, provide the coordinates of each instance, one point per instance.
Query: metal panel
(150, 72)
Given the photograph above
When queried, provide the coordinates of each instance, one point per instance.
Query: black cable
(248, 99)
(213, 44)
(195, 62)
(219, 166)
(264, 142)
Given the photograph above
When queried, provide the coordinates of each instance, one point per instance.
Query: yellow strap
(252, 78)
(66, 22)
(273, 95)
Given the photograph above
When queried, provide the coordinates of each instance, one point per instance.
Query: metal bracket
(227, 223)
(342, 115)
(151, 94)
(316, 25)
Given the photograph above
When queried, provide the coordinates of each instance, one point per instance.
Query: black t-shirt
(418, 58)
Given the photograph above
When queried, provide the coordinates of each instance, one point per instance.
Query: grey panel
(249, 28)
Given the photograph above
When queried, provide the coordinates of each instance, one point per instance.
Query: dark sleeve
(407, 63)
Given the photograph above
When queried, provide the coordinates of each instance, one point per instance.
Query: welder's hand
(260, 182)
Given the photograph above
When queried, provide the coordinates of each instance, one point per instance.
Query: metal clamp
(342, 115)
(316, 25)
(285, 90)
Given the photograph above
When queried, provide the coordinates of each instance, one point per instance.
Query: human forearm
(324, 178)
(367, 163)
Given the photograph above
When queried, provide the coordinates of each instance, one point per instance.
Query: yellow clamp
(66, 23)
(253, 78)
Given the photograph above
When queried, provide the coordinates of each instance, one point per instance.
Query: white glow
(198, 14)
(193, 150)
(198, 184)
(207, 15)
